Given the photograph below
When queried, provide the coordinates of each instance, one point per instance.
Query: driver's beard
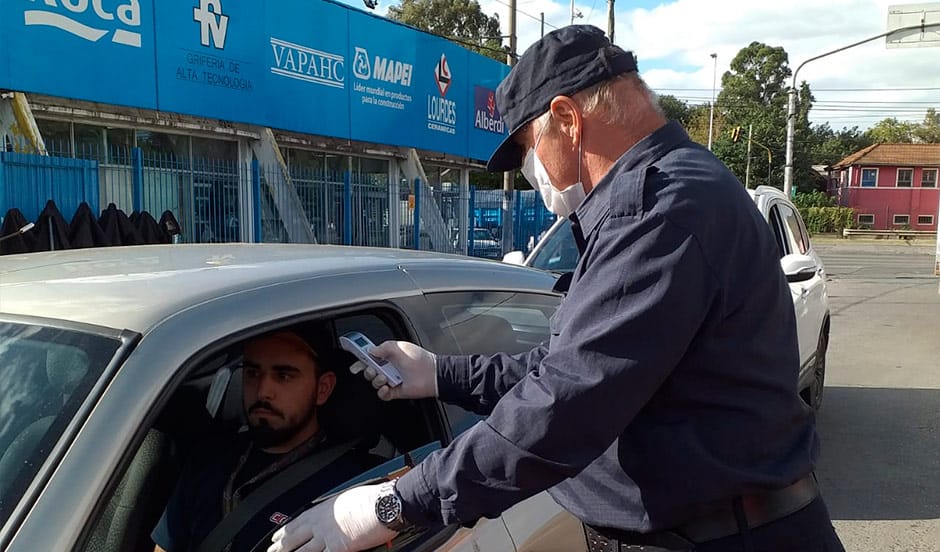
(264, 436)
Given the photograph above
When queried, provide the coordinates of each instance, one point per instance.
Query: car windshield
(481, 234)
(558, 253)
(45, 373)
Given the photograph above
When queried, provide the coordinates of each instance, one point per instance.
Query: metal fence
(529, 215)
(213, 199)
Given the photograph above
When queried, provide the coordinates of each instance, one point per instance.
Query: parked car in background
(484, 244)
(115, 361)
(556, 252)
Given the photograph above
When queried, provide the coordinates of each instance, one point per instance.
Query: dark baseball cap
(561, 63)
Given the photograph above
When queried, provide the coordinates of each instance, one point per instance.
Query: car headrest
(484, 333)
(65, 367)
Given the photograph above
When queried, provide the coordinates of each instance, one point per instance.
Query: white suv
(557, 252)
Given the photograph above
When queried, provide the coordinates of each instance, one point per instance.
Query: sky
(674, 40)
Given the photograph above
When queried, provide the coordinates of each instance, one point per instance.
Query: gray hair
(604, 99)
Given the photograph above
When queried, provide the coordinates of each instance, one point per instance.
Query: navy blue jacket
(670, 380)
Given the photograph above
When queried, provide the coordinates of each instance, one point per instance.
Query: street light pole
(507, 222)
(791, 99)
(711, 115)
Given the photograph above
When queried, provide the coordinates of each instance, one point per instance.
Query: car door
(484, 322)
(791, 240)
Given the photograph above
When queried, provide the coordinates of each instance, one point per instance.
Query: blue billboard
(310, 66)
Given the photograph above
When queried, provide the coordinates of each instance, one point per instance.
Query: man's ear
(325, 385)
(567, 117)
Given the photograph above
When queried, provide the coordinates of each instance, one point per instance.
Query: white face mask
(561, 202)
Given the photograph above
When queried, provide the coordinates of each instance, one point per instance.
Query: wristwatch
(388, 508)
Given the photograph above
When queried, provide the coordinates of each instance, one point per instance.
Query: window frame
(195, 367)
(927, 218)
(861, 177)
(894, 220)
(924, 172)
(858, 218)
(897, 178)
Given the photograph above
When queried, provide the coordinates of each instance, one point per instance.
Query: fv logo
(51, 14)
(211, 22)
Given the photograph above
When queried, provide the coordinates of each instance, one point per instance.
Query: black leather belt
(757, 509)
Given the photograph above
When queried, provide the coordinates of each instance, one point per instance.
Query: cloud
(673, 41)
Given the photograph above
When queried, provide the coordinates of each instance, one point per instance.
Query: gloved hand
(418, 368)
(345, 523)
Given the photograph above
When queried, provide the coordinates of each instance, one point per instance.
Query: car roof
(137, 287)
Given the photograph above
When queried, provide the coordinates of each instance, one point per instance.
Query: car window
(45, 373)
(186, 439)
(487, 323)
(558, 252)
(780, 235)
(793, 230)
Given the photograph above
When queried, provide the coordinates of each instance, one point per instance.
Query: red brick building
(890, 186)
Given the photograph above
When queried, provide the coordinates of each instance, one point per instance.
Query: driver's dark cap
(562, 63)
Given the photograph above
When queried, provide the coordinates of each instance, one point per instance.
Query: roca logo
(50, 13)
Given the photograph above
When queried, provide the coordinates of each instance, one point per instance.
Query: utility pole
(747, 171)
(610, 20)
(711, 114)
(543, 23)
(507, 241)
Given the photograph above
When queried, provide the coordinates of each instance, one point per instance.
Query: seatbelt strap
(231, 524)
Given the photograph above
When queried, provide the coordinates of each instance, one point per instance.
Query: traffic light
(735, 134)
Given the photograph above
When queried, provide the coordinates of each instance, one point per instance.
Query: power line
(527, 14)
(814, 90)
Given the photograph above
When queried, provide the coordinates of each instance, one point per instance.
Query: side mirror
(798, 268)
(514, 257)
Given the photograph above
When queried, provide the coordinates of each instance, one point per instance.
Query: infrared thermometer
(360, 345)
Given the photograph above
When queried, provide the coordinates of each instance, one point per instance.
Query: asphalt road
(880, 419)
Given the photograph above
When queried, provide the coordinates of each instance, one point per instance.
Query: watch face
(388, 508)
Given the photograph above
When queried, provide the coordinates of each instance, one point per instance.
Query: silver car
(114, 362)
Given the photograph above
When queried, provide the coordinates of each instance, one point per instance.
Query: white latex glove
(418, 368)
(345, 523)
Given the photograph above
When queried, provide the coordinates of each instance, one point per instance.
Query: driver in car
(284, 383)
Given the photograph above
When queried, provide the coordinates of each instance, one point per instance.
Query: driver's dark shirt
(196, 505)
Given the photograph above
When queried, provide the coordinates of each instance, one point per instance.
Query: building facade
(286, 120)
(890, 186)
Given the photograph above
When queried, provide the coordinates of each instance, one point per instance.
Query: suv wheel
(819, 372)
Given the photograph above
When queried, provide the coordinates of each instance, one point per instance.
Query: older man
(664, 411)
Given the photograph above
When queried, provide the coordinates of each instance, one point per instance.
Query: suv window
(45, 374)
(558, 252)
(795, 235)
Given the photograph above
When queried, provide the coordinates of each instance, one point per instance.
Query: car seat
(64, 369)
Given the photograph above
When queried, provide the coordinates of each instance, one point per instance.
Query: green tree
(754, 93)
(830, 146)
(892, 131)
(462, 21)
(676, 109)
(929, 131)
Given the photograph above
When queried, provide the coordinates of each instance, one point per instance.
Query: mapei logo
(383, 69)
(211, 23)
(442, 75)
(63, 17)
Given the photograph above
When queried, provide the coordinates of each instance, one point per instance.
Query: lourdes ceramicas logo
(442, 113)
(122, 24)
